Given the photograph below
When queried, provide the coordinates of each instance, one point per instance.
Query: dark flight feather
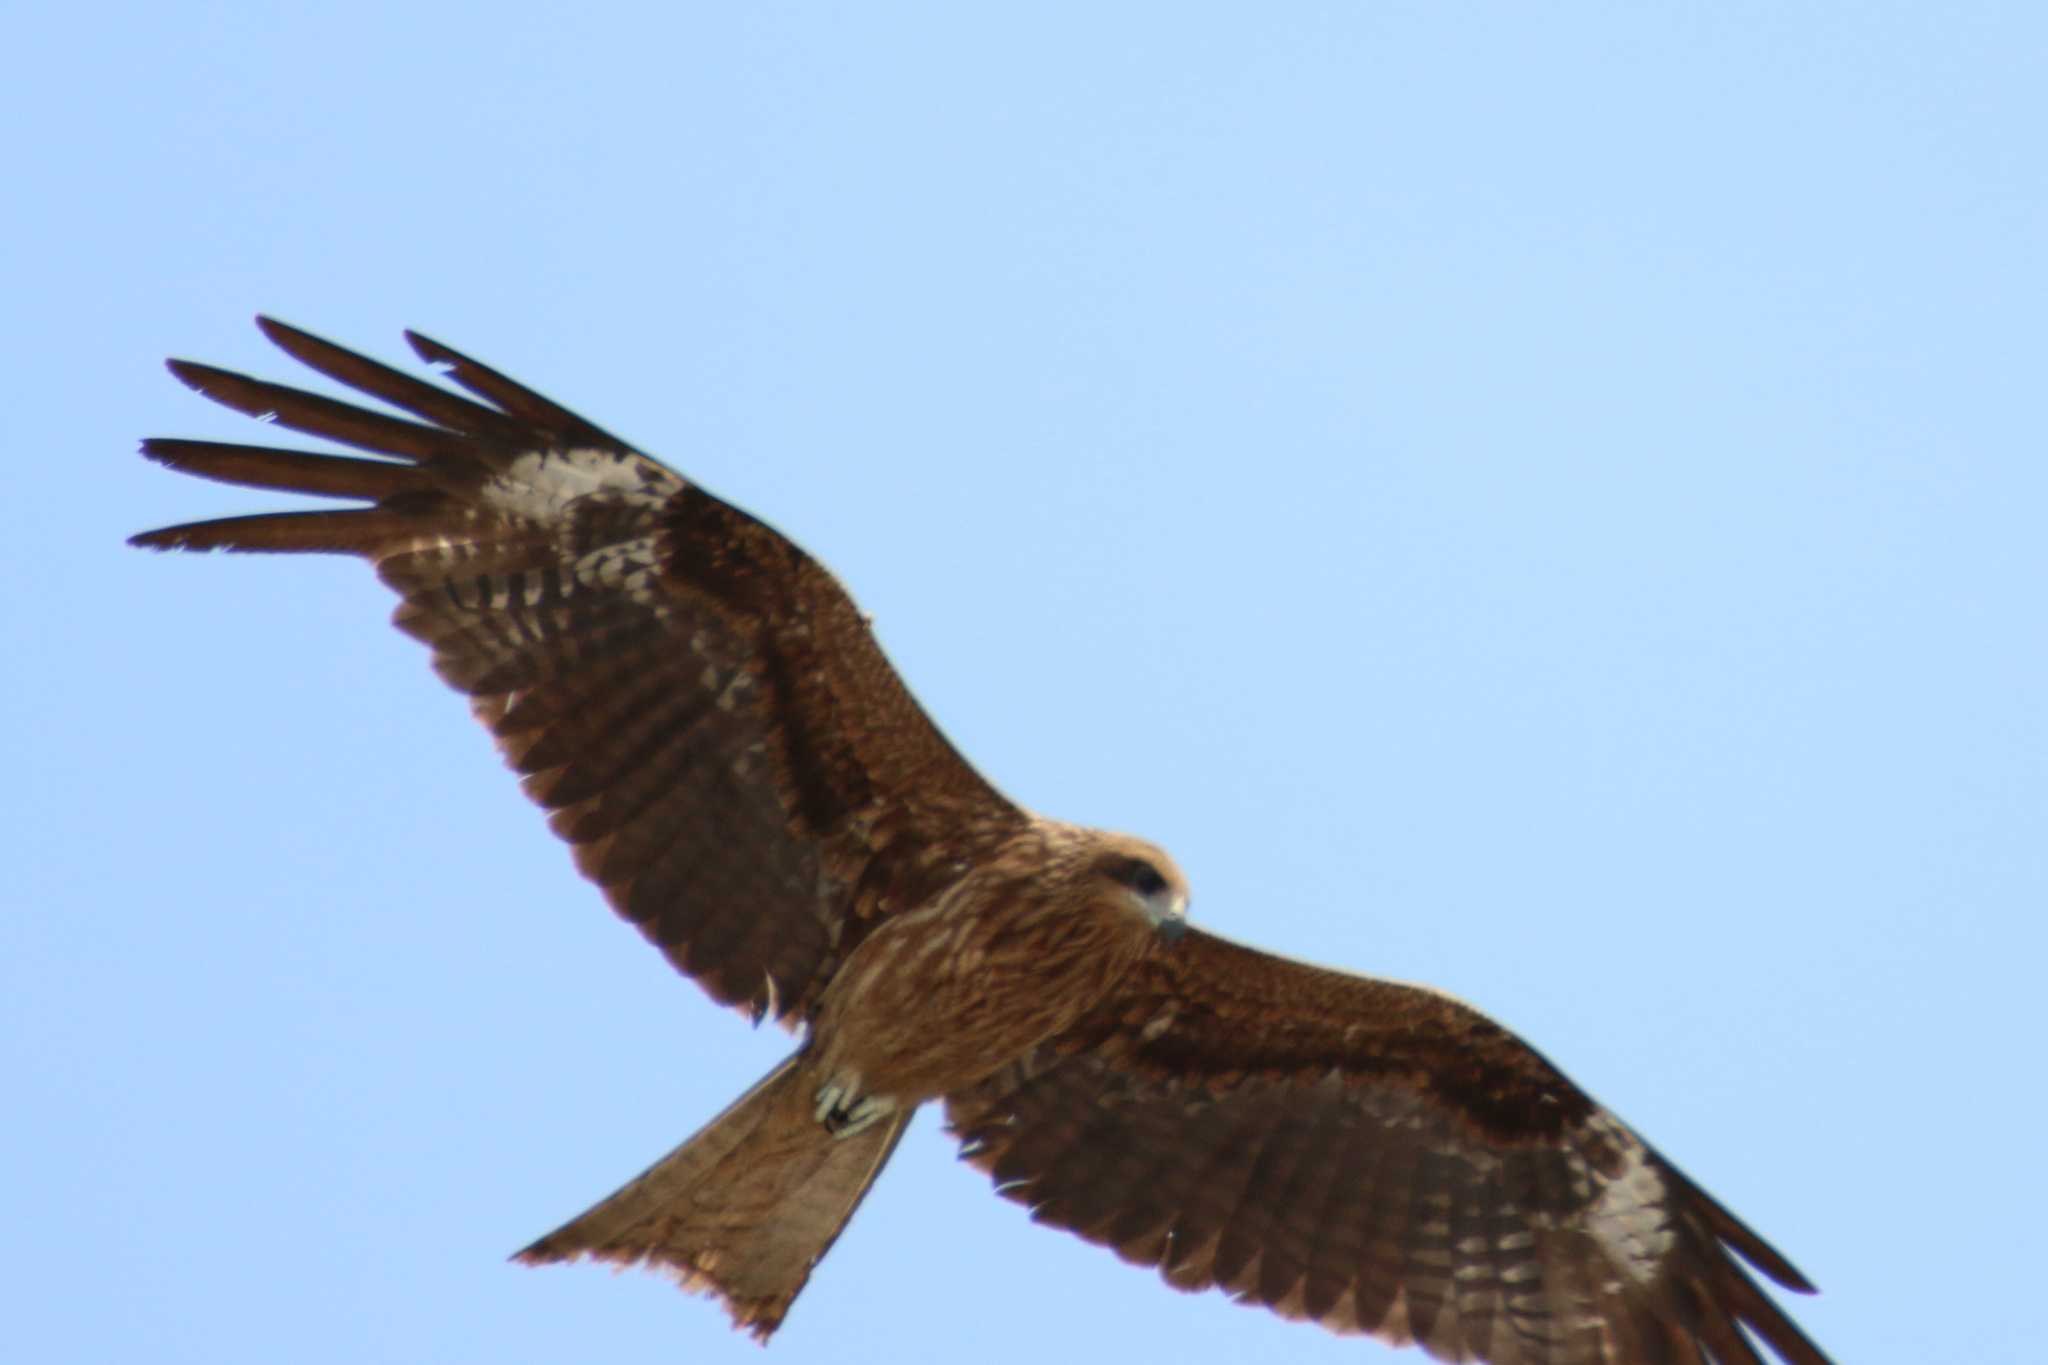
(693, 698)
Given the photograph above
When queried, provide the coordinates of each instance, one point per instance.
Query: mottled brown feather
(1375, 1157)
(699, 704)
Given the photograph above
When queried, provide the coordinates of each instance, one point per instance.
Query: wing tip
(199, 536)
(1746, 1242)
(286, 337)
(192, 374)
(429, 350)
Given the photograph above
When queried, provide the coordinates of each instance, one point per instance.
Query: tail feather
(742, 1210)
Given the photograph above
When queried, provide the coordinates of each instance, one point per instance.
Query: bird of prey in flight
(707, 719)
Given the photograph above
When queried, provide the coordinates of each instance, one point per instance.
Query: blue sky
(1545, 501)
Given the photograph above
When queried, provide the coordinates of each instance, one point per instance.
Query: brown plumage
(708, 721)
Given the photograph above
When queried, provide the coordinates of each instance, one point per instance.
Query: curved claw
(845, 1112)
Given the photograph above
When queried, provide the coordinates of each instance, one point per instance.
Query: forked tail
(745, 1208)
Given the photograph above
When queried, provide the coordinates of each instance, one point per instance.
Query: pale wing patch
(542, 484)
(1629, 1218)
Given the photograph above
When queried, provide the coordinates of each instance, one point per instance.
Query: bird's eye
(1138, 875)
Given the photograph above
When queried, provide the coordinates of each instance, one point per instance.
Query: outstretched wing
(696, 701)
(1377, 1158)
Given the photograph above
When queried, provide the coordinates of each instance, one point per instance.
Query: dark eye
(1137, 874)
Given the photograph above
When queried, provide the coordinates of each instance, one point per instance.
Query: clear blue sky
(1543, 500)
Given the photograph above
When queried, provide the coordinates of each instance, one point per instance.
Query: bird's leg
(845, 1111)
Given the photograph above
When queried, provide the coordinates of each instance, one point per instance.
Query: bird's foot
(845, 1111)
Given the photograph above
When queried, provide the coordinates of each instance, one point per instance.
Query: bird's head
(1144, 878)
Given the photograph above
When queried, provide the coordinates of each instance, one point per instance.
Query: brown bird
(709, 722)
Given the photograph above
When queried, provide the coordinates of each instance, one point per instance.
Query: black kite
(708, 721)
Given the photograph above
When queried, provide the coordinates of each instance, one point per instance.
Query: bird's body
(993, 966)
(709, 723)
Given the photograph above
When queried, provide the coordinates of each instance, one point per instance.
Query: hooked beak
(1174, 923)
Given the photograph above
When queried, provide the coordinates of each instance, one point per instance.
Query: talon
(844, 1111)
(828, 1108)
(866, 1114)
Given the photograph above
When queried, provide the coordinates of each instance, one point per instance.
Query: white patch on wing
(1628, 1218)
(541, 484)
